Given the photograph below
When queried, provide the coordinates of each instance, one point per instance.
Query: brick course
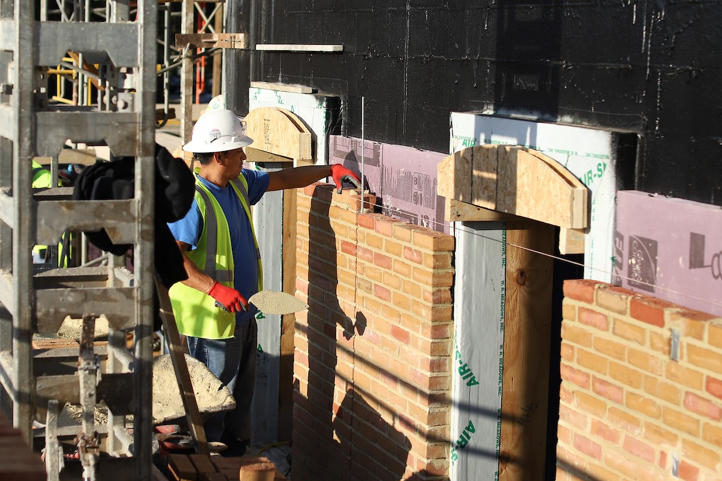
(372, 364)
(627, 410)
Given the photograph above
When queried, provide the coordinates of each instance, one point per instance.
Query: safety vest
(195, 311)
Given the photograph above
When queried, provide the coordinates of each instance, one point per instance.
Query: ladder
(123, 45)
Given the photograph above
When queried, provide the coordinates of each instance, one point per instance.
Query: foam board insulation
(403, 177)
(670, 248)
(317, 111)
(478, 347)
(589, 154)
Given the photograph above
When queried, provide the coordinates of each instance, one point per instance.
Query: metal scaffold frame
(123, 47)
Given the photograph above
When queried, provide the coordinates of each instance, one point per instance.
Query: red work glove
(341, 173)
(230, 299)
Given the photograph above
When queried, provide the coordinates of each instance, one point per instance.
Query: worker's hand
(230, 299)
(339, 173)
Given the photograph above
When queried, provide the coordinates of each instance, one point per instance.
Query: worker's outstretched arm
(303, 176)
(231, 299)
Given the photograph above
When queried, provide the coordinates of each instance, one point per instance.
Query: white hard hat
(218, 131)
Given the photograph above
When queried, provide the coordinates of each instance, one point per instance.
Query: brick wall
(372, 366)
(628, 411)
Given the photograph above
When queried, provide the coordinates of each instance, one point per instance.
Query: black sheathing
(648, 67)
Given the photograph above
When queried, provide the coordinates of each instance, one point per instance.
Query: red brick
(601, 430)
(649, 310)
(575, 376)
(384, 225)
(572, 417)
(687, 471)
(413, 255)
(639, 449)
(401, 335)
(367, 221)
(607, 390)
(581, 289)
(702, 406)
(382, 293)
(587, 446)
(593, 318)
(714, 387)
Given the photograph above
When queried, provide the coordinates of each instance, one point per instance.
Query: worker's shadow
(368, 441)
(323, 282)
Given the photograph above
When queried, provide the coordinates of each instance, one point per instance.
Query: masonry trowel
(273, 302)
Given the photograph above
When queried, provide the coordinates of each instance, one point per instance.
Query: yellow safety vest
(195, 311)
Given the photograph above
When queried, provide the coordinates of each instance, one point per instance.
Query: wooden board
(180, 367)
(571, 241)
(272, 130)
(527, 324)
(294, 88)
(231, 467)
(72, 156)
(457, 211)
(287, 47)
(517, 181)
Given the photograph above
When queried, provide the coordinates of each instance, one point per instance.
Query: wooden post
(218, 58)
(528, 305)
(186, 87)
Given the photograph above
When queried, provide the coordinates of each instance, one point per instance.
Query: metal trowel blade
(276, 302)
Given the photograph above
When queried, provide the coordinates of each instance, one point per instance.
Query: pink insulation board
(670, 248)
(403, 177)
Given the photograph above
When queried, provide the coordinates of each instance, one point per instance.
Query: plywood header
(515, 180)
(280, 132)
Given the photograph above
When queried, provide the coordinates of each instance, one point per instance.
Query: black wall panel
(648, 67)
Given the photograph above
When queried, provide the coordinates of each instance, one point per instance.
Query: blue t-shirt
(190, 228)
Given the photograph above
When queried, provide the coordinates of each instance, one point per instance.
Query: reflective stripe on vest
(195, 312)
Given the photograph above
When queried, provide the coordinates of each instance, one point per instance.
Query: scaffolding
(35, 37)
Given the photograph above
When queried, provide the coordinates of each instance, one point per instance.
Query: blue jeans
(233, 361)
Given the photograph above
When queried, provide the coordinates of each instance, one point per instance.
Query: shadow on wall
(363, 433)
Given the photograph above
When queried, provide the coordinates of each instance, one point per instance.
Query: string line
(450, 225)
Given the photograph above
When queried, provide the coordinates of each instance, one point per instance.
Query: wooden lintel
(457, 210)
(571, 241)
(219, 40)
(256, 155)
(515, 180)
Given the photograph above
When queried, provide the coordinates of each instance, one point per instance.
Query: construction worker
(223, 261)
(42, 179)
